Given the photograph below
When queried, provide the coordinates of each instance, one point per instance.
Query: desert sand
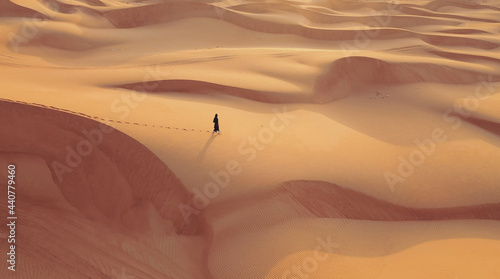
(360, 139)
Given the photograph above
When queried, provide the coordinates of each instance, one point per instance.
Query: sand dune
(437, 4)
(9, 9)
(80, 208)
(348, 75)
(328, 200)
(491, 126)
(67, 137)
(154, 14)
(340, 229)
(198, 87)
(343, 77)
(360, 139)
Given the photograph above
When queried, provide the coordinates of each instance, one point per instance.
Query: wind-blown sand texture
(360, 139)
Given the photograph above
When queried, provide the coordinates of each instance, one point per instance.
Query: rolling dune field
(359, 139)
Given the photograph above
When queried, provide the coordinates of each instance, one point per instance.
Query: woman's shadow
(203, 152)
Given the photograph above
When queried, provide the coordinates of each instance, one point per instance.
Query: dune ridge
(9, 9)
(154, 14)
(200, 87)
(106, 162)
(343, 77)
(80, 114)
(107, 110)
(328, 200)
(353, 74)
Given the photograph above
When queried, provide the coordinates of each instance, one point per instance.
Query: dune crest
(114, 188)
(359, 139)
(352, 74)
(329, 200)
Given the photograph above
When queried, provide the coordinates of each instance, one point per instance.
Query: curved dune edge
(115, 180)
(136, 230)
(269, 220)
(387, 27)
(165, 12)
(436, 4)
(464, 31)
(490, 126)
(464, 56)
(97, 3)
(162, 12)
(343, 77)
(63, 41)
(202, 87)
(400, 20)
(61, 7)
(328, 200)
(93, 117)
(9, 9)
(351, 74)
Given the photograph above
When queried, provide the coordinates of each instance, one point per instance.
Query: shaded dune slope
(487, 125)
(165, 12)
(474, 58)
(93, 2)
(328, 200)
(394, 22)
(343, 77)
(32, 32)
(201, 87)
(286, 204)
(9, 9)
(117, 206)
(61, 7)
(117, 178)
(63, 41)
(436, 4)
(351, 74)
